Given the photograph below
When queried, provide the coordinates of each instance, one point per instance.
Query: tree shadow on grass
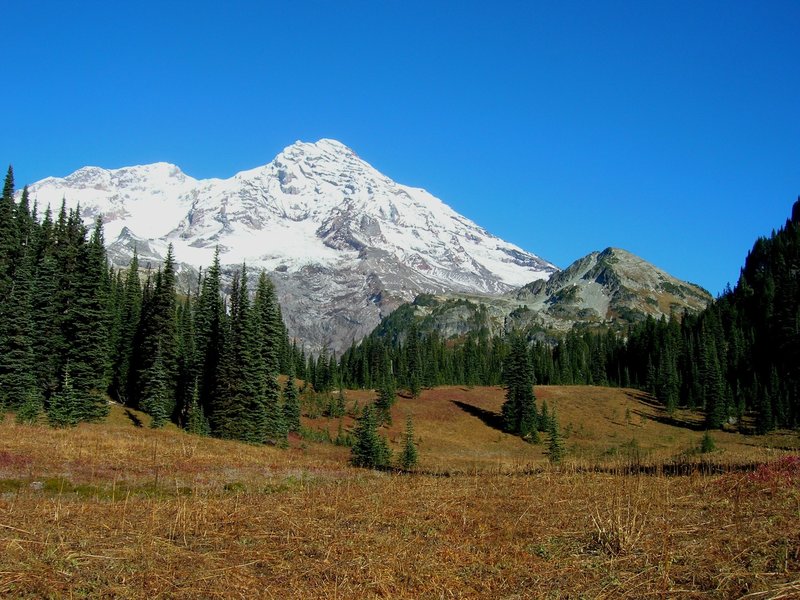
(695, 422)
(137, 422)
(492, 419)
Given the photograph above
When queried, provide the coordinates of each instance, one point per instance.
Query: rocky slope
(612, 287)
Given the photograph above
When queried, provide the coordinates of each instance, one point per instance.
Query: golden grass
(113, 510)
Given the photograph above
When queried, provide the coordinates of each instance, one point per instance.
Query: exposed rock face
(344, 244)
(612, 287)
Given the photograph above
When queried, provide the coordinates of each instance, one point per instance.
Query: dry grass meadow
(114, 510)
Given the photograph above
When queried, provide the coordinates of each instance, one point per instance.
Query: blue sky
(668, 128)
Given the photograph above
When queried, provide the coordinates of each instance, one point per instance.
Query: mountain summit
(613, 288)
(344, 243)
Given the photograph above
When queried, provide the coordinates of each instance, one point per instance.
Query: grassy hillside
(119, 510)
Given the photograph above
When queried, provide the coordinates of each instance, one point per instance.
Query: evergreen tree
(186, 387)
(341, 406)
(387, 395)
(409, 458)
(130, 312)
(414, 363)
(707, 443)
(196, 421)
(31, 408)
(47, 342)
(85, 326)
(155, 396)
(544, 418)
(9, 234)
(369, 449)
(519, 409)
(209, 337)
(157, 337)
(241, 412)
(713, 388)
(291, 403)
(270, 340)
(62, 410)
(17, 371)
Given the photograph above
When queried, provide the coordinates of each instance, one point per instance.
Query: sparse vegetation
(707, 443)
(117, 510)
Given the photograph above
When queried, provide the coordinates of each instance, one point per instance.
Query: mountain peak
(346, 244)
(321, 148)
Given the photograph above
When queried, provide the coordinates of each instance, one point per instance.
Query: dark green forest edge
(76, 333)
(738, 358)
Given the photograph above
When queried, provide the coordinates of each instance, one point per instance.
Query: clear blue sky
(668, 128)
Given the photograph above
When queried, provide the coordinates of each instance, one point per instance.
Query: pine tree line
(54, 323)
(739, 356)
(74, 333)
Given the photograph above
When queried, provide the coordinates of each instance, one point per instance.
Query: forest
(739, 356)
(75, 332)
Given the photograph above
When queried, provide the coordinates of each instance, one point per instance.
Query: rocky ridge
(609, 288)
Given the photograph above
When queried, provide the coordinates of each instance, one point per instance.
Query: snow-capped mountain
(344, 243)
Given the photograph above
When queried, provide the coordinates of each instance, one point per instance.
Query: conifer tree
(713, 388)
(85, 325)
(31, 408)
(414, 363)
(47, 342)
(544, 418)
(185, 389)
(369, 449)
(9, 237)
(196, 421)
(341, 403)
(17, 370)
(241, 411)
(409, 457)
(291, 403)
(209, 337)
(387, 395)
(155, 396)
(130, 312)
(157, 336)
(270, 339)
(62, 410)
(519, 409)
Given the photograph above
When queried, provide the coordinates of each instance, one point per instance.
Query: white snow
(281, 214)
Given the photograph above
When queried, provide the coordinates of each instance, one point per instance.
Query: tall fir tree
(155, 395)
(157, 337)
(270, 340)
(209, 324)
(130, 313)
(409, 456)
(241, 411)
(387, 395)
(85, 324)
(291, 403)
(17, 362)
(519, 409)
(63, 408)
